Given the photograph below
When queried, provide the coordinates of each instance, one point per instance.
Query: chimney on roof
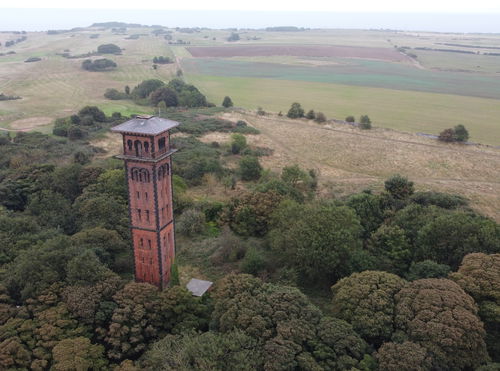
(144, 117)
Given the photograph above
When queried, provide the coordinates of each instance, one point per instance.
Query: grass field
(350, 160)
(402, 110)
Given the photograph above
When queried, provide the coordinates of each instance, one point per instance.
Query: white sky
(445, 6)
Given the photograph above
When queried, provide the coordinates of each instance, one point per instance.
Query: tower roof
(150, 125)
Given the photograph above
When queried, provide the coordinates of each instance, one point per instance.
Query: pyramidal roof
(150, 125)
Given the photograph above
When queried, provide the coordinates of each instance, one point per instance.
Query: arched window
(138, 148)
(167, 169)
(144, 176)
(129, 145)
(146, 147)
(135, 173)
(161, 143)
(161, 172)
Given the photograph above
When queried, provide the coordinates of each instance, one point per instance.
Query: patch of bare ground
(111, 143)
(349, 160)
(30, 123)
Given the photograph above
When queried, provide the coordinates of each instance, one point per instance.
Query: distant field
(402, 110)
(388, 54)
(349, 71)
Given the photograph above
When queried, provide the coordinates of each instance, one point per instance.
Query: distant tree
(166, 95)
(369, 210)
(399, 187)
(295, 111)
(109, 49)
(350, 119)
(102, 64)
(146, 87)
(310, 115)
(461, 133)
(250, 168)
(439, 316)
(114, 94)
(233, 37)
(227, 102)
(260, 111)
(320, 117)
(191, 223)
(366, 301)
(155, 66)
(127, 89)
(447, 135)
(238, 143)
(364, 119)
(94, 112)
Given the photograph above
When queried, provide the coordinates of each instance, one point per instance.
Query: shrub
(399, 187)
(227, 102)
(102, 64)
(191, 223)
(447, 135)
(320, 117)
(350, 119)
(109, 49)
(238, 143)
(253, 262)
(295, 111)
(32, 59)
(146, 87)
(461, 133)
(114, 94)
(310, 115)
(250, 168)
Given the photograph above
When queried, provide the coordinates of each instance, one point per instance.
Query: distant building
(148, 168)
(198, 287)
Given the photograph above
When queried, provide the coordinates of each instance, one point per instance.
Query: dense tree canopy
(366, 301)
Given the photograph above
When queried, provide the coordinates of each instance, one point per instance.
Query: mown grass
(402, 110)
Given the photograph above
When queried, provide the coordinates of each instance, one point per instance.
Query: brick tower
(148, 163)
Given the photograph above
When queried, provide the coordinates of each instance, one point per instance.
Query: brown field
(349, 160)
(387, 54)
(30, 123)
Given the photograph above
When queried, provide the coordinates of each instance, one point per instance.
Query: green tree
(320, 117)
(399, 187)
(391, 249)
(207, 351)
(439, 316)
(227, 102)
(350, 119)
(166, 95)
(191, 223)
(52, 210)
(238, 143)
(127, 89)
(449, 237)
(295, 111)
(460, 133)
(250, 168)
(146, 87)
(78, 354)
(318, 240)
(369, 210)
(427, 269)
(479, 276)
(310, 115)
(109, 49)
(94, 112)
(405, 356)
(366, 301)
(447, 135)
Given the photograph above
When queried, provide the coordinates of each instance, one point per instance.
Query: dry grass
(349, 160)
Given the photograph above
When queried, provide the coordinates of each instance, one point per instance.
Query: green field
(436, 91)
(402, 110)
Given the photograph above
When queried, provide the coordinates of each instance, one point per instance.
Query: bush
(320, 117)
(295, 111)
(238, 143)
(250, 168)
(365, 126)
(109, 49)
(166, 95)
(364, 119)
(253, 262)
(227, 102)
(114, 94)
(350, 119)
(427, 269)
(399, 187)
(191, 223)
(162, 60)
(146, 87)
(461, 133)
(310, 115)
(102, 64)
(32, 59)
(447, 135)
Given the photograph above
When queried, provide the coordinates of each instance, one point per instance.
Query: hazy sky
(477, 6)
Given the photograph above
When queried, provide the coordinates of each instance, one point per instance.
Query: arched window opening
(161, 144)
(138, 148)
(129, 145)
(167, 169)
(135, 173)
(161, 172)
(145, 176)
(146, 147)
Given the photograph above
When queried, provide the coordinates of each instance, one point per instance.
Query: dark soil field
(386, 54)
